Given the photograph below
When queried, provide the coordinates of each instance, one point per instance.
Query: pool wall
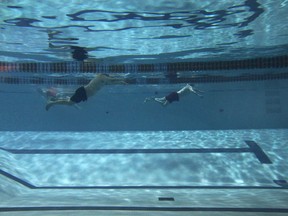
(228, 105)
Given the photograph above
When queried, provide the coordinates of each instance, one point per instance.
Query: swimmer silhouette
(79, 53)
(174, 96)
(84, 92)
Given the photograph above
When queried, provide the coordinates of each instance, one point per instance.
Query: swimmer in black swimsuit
(84, 92)
(175, 96)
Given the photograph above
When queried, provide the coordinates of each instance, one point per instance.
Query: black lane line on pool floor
(128, 151)
(281, 182)
(253, 148)
(142, 208)
(16, 179)
(259, 153)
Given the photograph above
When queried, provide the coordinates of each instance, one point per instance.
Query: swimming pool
(221, 153)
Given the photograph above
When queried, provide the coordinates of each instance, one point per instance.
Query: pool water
(131, 31)
(223, 153)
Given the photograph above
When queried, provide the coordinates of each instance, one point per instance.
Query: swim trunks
(173, 96)
(79, 95)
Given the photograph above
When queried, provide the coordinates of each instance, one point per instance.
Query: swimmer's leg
(194, 90)
(77, 106)
(185, 90)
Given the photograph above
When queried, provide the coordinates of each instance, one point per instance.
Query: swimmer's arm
(67, 102)
(161, 101)
(111, 80)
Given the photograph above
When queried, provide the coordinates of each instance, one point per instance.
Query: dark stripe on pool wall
(70, 67)
(168, 80)
(259, 153)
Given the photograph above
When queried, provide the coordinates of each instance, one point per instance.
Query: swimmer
(84, 92)
(175, 96)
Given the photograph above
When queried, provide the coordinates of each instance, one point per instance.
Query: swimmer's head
(51, 92)
(79, 53)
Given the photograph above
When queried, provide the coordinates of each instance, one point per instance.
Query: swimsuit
(79, 95)
(174, 96)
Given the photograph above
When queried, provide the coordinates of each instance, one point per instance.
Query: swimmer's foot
(195, 91)
(48, 105)
(147, 99)
(189, 87)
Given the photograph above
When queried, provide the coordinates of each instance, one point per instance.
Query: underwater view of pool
(189, 114)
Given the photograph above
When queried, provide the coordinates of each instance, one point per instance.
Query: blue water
(132, 31)
(114, 155)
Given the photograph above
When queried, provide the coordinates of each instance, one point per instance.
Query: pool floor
(162, 171)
